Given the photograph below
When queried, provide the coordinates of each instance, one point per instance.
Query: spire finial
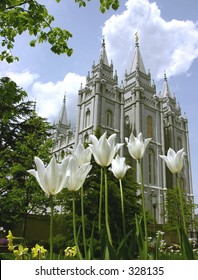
(64, 98)
(165, 78)
(103, 41)
(136, 38)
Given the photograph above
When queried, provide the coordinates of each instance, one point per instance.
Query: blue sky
(168, 38)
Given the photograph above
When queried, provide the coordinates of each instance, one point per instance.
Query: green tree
(173, 210)
(13, 112)
(22, 136)
(19, 16)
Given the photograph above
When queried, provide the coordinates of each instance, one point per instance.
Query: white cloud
(165, 45)
(23, 79)
(49, 96)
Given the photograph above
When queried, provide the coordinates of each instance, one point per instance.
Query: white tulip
(119, 167)
(53, 178)
(137, 146)
(104, 149)
(81, 154)
(77, 174)
(173, 160)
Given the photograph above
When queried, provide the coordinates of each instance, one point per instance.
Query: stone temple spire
(137, 62)
(103, 54)
(62, 119)
(166, 90)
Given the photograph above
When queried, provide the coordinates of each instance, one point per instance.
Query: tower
(176, 136)
(63, 136)
(62, 125)
(142, 113)
(101, 101)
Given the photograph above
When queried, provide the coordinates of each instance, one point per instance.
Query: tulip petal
(40, 182)
(51, 176)
(32, 172)
(40, 174)
(39, 165)
(94, 140)
(111, 139)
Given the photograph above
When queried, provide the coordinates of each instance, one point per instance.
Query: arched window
(109, 116)
(127, 121)
(179, 143)
(87, 118)
(151, 167)
(149, 127)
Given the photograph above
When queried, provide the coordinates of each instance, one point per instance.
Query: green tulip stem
(100, 202)
(144, 211)
(122, 208)
(74, 218)
(181, 203)
(74, 225)
(106, 208)
(51, 226)
(83, 222)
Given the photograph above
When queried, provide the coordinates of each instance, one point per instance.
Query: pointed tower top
(62, 119)
(137, 62)
(166, 90)
(103, 54)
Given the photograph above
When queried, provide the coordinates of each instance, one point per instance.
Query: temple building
(134, 106)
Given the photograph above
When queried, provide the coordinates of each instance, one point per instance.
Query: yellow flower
(10, 237)
(38, 251)
(70, 251)
(10, 246)
(21, 252)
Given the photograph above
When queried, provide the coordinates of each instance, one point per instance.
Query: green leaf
(90, 253)
(186, 247)
(33, 43)
(140, 238)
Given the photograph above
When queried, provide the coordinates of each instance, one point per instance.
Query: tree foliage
(19, 16)
(173, 209)
(104, 4)
(13, 112)
(22, 136)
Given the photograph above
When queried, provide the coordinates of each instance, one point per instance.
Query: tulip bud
(119, 167)
(173, 160)
(137, 146)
